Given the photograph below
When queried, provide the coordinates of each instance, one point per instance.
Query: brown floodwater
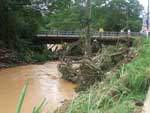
(44, 82)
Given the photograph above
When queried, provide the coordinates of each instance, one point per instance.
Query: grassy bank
(120, 92)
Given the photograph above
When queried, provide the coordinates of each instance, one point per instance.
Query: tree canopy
(21, 19)
(112, 15)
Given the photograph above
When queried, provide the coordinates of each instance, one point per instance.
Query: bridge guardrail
(94, 34)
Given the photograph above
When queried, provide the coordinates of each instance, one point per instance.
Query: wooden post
(88, 52)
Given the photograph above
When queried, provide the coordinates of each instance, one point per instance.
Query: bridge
(58, 37)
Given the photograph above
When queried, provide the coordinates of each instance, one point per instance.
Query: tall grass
(118, 93)
(21, 100)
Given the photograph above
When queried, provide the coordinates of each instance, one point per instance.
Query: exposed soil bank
(12, 58)
(8, 58)
(44, 82)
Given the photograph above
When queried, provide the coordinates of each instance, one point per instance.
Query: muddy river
(44, 82)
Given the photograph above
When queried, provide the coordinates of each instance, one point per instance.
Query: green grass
(21, 100)
(118, 93)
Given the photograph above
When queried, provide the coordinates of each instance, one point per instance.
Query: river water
(44, 82)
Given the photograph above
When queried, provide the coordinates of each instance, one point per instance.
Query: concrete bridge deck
(58, 37)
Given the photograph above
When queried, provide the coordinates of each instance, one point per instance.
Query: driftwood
(118, 56)
(124, 51)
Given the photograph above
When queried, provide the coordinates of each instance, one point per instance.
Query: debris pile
(88, 71)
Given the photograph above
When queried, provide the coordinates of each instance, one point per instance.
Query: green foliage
(21, 100)
(111, 15)
(36, 55)
(40, 107)
(18, 24)
(40, 57)
(65, 16)
(7, 25)
(117, 14)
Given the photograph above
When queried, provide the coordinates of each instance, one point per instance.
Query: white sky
(144, 3)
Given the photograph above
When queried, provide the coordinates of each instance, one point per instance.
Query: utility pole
(148, 19)
(88, 50)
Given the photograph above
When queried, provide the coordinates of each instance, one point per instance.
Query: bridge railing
(57, 33)
(94, 34)
(109, 34)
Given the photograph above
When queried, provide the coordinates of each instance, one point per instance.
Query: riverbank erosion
(8, 57)
(44, 82)
(13, 57)
(122, 91)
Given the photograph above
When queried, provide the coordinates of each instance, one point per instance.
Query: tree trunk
(87, 52)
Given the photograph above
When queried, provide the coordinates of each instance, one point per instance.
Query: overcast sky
(144, 3)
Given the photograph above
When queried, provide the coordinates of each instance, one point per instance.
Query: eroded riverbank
(44, 82)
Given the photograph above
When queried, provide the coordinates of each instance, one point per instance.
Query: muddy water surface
(44, 82)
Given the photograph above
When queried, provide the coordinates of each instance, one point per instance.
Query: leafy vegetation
(111, 15)
(18, 24)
